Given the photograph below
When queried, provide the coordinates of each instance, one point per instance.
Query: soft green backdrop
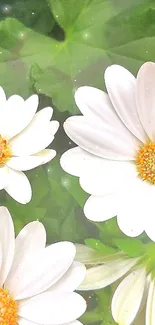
(51, 47)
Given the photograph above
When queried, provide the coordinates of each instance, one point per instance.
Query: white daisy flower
(115, 157)
(37, 283)
(134, 298)
(24, 136)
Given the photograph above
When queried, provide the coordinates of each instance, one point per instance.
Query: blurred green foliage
(52, 47)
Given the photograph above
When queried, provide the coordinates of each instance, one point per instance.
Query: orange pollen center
(5, 152)
(8, 309)
(145, 161)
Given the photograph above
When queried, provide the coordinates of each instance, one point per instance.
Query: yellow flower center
(8, 309)
(5, 152)
(145, 161)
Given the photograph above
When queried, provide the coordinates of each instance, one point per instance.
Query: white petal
(30, 142)
(101, 208)
(36, 136)
(43, 116)
(121, 87)
(76, 160)
(71, 279)
(136, 208)
(23, 321)
(91, 256)
(146, 98)
(100, 276)
(107, 176)
(98, 175)
(57, 308)
(42, 271)
(20, 112)
(95, 104)
(128, 297)
(7, 243)
(54, 126)
(4, 172)
(30, 240)
(29, 162)
(102, 140)
(18, 186)
(150, 307)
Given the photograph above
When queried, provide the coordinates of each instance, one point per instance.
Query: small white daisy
(115, 157)
(24, 136)
(134, 298)
(37, 282)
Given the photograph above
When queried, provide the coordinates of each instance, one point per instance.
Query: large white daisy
(134, 298)
(37, 283)
(115, 157)
(24, 136)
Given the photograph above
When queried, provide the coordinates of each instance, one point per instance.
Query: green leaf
(34, 14)
(73, 187)
(64, 219)
(90, 44)
(132, 246)
(99, 246)
(104, 297)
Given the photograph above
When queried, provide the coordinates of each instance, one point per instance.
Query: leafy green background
(51, 47)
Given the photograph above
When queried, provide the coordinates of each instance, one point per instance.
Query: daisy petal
(30, 240)
(98, 176)
(43, 116)
(101, 208)
(18, 186)
(90, 256)
(49, 265)
(29, 162)
(150, 306)
(75, 322)
(134, 204)
(54, 126)
(101, 276)
(32, 140)
(131, 225)
(95, 104)
(7, 243)
(19, 111)
(36, 136)
(121, 87)
(128, 297)
(71, 279)
(102, 140)
(4, 172)
(38, 309)
(76, 160)
(107, 176)
(23, 321)
(146, 98)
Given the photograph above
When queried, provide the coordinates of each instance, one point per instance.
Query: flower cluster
(134, 297)
(115, 162)
(115, 156)
(24, 135)
(37, 282)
